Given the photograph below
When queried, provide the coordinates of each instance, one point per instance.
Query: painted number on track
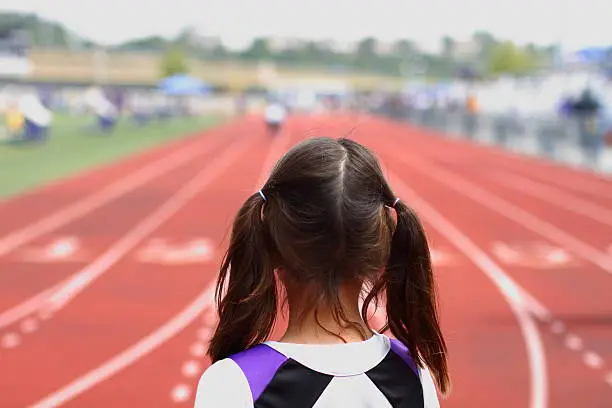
(533, 254)
(176, 252)
(59, 249)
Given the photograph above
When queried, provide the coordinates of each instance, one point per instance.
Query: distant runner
(275, 117)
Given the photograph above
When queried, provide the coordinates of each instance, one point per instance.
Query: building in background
(14, 59)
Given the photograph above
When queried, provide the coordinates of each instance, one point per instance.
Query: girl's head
(326, 219)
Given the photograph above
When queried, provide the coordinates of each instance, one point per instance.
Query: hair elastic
(262, 195)
(395, 202)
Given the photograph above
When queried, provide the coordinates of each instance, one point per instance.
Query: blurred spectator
(472, 108)
(241, 104)
(471, 104)
(566, 106)
(104, 110)
(275, 117)
(586, 110)
(37, 118)
(14, 120)
(587, 104)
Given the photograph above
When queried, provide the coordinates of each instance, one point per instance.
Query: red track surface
(117, 331)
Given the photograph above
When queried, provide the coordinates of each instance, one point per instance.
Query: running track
(521, 247)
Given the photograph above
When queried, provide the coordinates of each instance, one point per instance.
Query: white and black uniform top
(375, 373)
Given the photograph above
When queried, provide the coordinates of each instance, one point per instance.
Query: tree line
(489, 55)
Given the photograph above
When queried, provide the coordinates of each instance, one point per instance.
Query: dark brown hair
(325, 219)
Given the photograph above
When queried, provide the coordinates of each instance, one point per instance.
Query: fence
(574, 141)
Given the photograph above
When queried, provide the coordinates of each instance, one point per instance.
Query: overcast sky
(578, 22)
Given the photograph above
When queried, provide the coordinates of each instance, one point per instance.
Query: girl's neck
(321, 327)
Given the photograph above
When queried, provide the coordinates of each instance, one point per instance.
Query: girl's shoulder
(215, 383)
(246, 373)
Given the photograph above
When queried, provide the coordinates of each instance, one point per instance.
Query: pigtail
(246, 296)
(411, 296)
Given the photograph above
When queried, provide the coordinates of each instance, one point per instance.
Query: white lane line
(158, 337)
(573, 342)
(86, 276)
(600, 188)
(608, 378)
(99, 198)
(25, 308)
(130, 355)
(555, 197)
(181, 393)
(521, 303)
(191, 369)
(554, 173)
(480, 195)
(592, 360)
(11, 340)
(198, 349)
(77, 282)
(510, 211)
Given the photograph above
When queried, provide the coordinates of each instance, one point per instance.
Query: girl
(323, 226)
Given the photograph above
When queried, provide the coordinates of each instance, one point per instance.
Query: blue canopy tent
(592, 55)
(183, 85)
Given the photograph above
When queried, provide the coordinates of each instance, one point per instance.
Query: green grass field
(71, 149)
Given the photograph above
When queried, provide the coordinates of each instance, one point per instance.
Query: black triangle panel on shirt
(397, 382)
(295, 386)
